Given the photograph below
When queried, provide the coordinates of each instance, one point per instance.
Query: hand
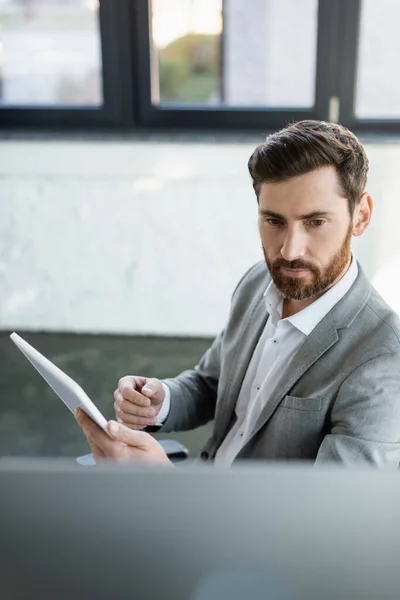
(124, 445)
(138, 401)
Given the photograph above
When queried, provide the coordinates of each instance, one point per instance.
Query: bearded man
(308, 365)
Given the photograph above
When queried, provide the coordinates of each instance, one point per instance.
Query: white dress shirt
(275, 349)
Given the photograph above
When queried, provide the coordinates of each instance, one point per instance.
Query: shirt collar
(274, 302)
(307, 319)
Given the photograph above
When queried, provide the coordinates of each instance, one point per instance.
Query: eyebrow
(316, 214)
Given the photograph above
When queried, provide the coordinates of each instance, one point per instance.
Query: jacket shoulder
(255, 280)
(384, 316)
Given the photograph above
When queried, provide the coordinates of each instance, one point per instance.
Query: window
(378, 79)
(50, 53)
(198, 64)
(237, 53)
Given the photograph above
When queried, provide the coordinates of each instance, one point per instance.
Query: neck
(291, 307)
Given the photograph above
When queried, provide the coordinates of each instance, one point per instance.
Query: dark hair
(307, 145)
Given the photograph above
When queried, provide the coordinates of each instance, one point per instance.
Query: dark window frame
(117, 83)
(125, 51)
(348, 59)
(222, 117)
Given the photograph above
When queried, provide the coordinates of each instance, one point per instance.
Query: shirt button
(241, 435)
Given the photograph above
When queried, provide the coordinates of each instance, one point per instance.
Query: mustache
(292, 264)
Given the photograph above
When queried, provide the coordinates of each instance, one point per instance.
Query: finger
(154, 390)
(132, 409)
(132, 395)
(134, 439)
(96, 437)
(134, 419)
(133, 381)
(134, 427)
(128, 419)
(136, 445)
(103, 445)
(97, 451)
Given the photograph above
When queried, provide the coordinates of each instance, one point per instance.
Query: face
(306, 229)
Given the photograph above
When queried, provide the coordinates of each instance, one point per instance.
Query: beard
(294, 288)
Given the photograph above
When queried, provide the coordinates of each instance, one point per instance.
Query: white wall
(146, 237)
(123, 237)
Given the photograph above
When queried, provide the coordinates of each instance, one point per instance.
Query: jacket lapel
(314, 346)
(244, 350)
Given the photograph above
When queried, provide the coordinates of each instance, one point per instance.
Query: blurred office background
(126, 211)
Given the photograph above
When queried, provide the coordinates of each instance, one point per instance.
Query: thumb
(120, 433)
(154, 390)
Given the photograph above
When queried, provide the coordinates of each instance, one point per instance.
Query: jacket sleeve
(365, 419)
(194, 392)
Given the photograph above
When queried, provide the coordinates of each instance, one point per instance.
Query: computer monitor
(272, 531)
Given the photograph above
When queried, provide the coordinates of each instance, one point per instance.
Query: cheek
(261, 231)
(267, 239)
(268, 235)
(323, 245)
(320, 246)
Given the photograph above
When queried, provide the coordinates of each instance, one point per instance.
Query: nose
(293, 246)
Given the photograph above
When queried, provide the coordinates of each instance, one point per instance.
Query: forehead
(316, 190)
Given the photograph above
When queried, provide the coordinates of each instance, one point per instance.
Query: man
(308, 366)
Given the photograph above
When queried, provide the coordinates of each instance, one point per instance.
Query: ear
(362, 214)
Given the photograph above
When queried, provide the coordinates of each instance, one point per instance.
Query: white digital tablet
(66, 388)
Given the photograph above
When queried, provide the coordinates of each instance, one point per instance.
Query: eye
(273, 222)
(317, 222)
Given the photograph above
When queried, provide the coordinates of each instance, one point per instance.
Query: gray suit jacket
(339, 399)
